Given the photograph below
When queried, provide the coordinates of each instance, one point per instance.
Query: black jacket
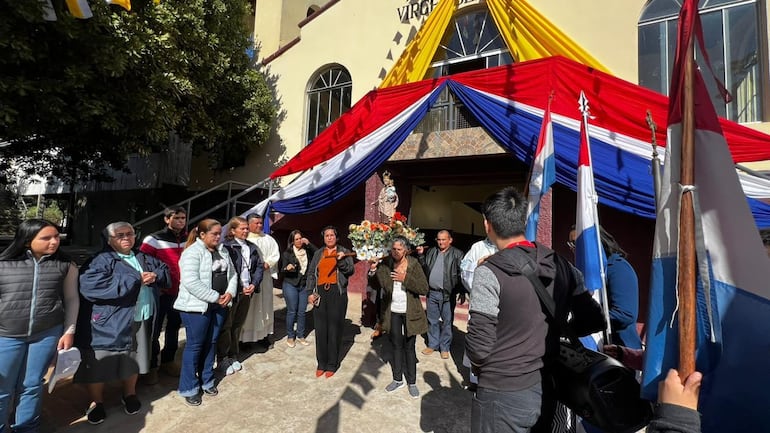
(345, 268)
(288, 257)
(256, 266)
(27, 308)
(670, 418)
(452, 281)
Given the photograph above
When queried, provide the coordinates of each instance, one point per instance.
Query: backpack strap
(528, 268)
(545, 299)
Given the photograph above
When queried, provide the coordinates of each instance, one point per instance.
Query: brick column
(358, 282)
(545, 222)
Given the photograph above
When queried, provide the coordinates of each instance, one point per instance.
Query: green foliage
(79, 96)
(51, 212)
(10, 216)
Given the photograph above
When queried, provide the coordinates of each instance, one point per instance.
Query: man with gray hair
(442, 267)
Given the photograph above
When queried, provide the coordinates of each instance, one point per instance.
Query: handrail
(187, 201)
(234, 199)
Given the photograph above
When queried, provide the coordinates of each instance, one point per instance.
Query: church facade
(323, 57)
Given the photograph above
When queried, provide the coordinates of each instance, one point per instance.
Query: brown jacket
(415, 284)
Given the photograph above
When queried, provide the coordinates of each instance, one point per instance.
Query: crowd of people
(217, 280)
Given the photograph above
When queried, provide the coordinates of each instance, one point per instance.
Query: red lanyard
(520, 244)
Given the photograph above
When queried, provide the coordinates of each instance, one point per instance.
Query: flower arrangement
(371, 240)
(399, 227)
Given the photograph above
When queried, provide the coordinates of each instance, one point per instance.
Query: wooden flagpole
(686, 246)
(655, 160)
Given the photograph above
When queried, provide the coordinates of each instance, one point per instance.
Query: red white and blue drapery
(509, 102)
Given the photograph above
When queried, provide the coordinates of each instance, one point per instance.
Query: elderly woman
(119, 290)
(402, 281)
(38, 308)
(327, 279)
(207, 287)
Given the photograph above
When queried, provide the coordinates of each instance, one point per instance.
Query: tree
(77, 97)
(10, 214)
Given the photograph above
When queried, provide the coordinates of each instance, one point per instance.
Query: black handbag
(593, 385)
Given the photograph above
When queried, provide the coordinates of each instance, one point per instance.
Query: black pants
(165, 312)
(403, 350)
(230, 334)
(329, 318)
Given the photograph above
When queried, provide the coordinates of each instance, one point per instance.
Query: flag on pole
(79, 9)
(733, 284)
(589, 255)
(543, 173)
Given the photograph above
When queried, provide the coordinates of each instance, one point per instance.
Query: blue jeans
(23, 363)
(296, 306)
(202, 331)
(494, 411)
(439, 321)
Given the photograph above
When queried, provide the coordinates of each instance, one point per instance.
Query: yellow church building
(322, 57)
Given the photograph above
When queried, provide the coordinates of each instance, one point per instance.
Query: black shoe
(267, 342)
(96, 414)
(194, 400)
(131, 404)
(211, 391)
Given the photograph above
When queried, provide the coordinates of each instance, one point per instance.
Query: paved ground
(277, 391)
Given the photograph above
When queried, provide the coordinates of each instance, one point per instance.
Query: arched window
(328, 97)
(472, 41)
(731, 30)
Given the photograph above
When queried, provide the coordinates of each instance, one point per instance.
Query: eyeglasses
(124, 235)
(571, 244)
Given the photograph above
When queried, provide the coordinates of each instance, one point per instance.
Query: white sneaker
(237, 366)
(226, 366)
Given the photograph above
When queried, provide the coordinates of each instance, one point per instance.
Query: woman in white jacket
(207, 286)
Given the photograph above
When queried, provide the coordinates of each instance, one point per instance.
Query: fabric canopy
(527, 34)
(509, 103)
